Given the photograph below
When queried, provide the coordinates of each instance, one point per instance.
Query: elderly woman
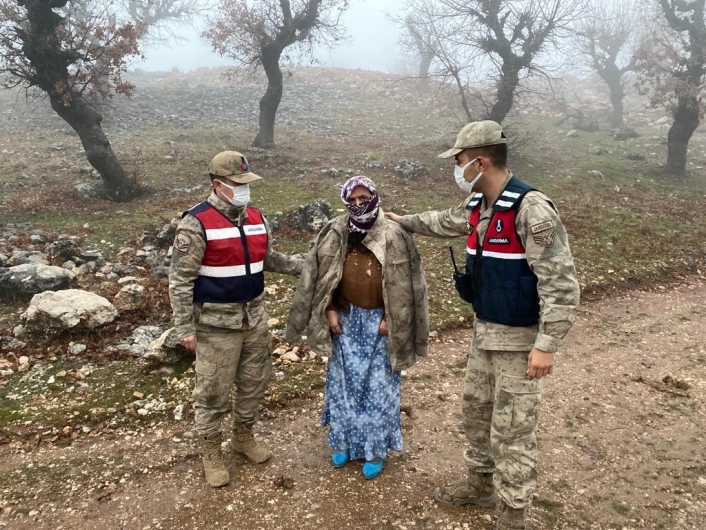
(362, 300)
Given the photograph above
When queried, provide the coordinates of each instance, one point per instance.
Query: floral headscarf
(364, 215)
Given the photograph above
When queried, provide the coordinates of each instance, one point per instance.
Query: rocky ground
(620, 434)
(95, 411)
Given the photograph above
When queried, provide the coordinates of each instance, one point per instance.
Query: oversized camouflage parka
(403, 281)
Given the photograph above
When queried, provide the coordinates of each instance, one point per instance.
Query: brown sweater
(361, 283)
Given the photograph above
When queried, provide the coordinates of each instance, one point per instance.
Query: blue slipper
(372, 469)
(339, 458)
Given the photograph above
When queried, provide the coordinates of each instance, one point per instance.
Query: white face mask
(462, 182)
(241, 194)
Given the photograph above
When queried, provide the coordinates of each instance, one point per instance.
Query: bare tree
(71, 62)
(606, 37)
(416, 42)
(672, 70)
(161, 19)
(260, 32)
(497, 41)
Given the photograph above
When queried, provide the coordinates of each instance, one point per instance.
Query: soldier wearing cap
(221, 249)
(521, 280)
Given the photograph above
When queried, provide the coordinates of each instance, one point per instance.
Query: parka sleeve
(420, 297)
(302, 305)
(549, 256)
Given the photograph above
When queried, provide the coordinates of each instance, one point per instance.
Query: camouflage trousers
(500, 416)
(225, 357)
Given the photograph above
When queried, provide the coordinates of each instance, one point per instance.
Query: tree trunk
(616, 119)
(269, 103)
(424, 66)
(509, 81)
(686, 120)
(612, 78)
(86, 121)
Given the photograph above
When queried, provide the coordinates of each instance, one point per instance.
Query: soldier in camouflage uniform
(521, 280)
(221, 249)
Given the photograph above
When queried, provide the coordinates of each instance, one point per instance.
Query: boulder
(129, 297)
(166, 349)
(409, 170)
(89, 191)
(625, 134)
(595, 150)
(21, 282)
(53, 312)
(140, 339)
(331, 172)
(22, 257)
(596, 174)
(64, 248)
(161, 271)
(8, 343)
(635, 156)
(313, 216)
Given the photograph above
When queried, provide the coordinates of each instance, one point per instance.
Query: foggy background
(372, 44)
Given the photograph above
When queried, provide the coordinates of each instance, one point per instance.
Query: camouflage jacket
(404, 289)
(547, 247)
(188, 251)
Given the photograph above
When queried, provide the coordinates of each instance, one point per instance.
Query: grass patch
(71, 393)
(295, 381)
(548, 505)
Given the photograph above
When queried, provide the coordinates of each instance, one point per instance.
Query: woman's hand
(383, 326)
(334, 323)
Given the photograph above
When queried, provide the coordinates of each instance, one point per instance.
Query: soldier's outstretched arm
(436, 223)
(187, 254)
(549, 256)
(281, 263)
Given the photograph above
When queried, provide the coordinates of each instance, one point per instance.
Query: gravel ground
(621, 446)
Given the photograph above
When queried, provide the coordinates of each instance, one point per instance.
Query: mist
(372, 44)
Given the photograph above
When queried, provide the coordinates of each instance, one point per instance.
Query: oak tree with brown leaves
(260, 33)
(671, 65)
(71, 62)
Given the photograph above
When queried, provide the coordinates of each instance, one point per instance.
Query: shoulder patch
(545, 239)
(182, 243)
(542, 227)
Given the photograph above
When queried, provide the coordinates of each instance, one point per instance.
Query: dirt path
(619, 447)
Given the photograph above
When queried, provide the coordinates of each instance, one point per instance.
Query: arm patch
(182, 243)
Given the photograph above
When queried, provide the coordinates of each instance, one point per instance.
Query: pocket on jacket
(518, 400)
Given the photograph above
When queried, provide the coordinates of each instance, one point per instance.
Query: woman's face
(359, 195)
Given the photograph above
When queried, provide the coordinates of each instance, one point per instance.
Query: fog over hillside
(372, 43)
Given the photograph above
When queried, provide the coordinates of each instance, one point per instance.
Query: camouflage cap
(234, 166)
(477, 134)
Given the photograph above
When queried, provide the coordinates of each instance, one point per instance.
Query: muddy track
(620, 447)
